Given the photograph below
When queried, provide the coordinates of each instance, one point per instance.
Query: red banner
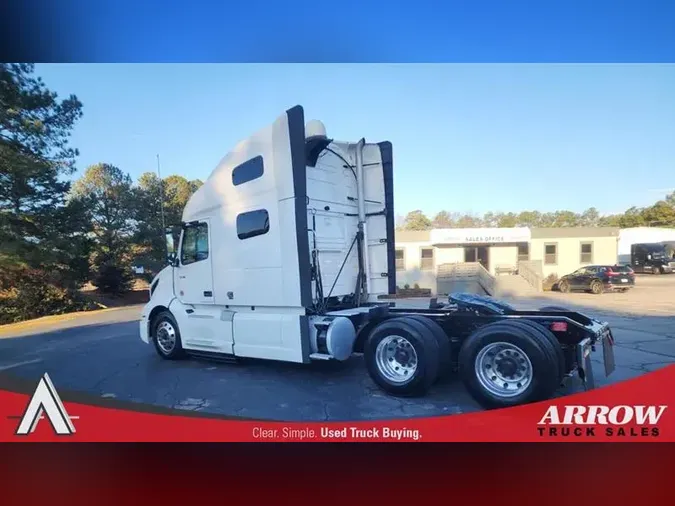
(630, 411)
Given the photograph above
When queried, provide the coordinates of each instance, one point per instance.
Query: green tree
(661, 214)
(42, 244)
(670, 198)
(468, 221)
(150, 249)
(529, 219)
(417, 220)
(443, 220)
(35, 127)
(508, 220)
(105, 195)
(589, 218)
(633, 217)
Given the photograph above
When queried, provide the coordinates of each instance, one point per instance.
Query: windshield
(654, 248)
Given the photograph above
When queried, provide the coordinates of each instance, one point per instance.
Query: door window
(195, 244)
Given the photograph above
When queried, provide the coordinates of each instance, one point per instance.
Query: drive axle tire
(508, 363)
(165, 336)
(402, 357)
(554, 343)
(444, 348)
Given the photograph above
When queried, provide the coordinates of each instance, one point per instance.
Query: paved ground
(101, 354)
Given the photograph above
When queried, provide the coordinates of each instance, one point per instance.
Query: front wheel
(564, 286)
(656, 270)
(166, 336)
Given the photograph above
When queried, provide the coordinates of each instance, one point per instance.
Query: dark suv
(598, 279)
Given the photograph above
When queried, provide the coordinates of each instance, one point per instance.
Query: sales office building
(560, 250)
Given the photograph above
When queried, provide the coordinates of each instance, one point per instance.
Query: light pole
(161, 200)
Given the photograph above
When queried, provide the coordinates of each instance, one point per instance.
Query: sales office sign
(480, 235)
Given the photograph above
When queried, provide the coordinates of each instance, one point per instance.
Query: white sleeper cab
(284, 254)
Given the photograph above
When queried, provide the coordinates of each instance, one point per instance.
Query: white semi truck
(284, 251)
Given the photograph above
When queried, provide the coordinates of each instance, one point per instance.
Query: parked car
(598, 279)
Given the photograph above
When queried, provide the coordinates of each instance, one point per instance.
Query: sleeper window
(248, 171)
(253, 223)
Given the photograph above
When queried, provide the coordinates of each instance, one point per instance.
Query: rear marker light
(559, 326)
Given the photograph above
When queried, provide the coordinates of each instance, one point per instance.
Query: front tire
(166, 336)
(656, 270)
(508, 363)
(402, 357)
(564, 287)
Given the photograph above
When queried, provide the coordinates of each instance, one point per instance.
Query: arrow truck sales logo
(590, 421)
(46, 401)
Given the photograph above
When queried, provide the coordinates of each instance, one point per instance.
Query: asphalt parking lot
(101, 354)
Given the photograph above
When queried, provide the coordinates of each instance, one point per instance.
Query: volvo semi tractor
(284, 253)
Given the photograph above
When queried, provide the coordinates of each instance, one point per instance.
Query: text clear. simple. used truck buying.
(284, 251)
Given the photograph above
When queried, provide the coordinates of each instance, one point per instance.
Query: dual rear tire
(405, 356)
(502, 364)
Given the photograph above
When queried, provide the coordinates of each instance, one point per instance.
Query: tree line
(660, 214)
(56, 235)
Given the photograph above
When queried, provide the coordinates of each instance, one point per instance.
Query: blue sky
(467, 138)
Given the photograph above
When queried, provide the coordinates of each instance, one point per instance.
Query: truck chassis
(504, 357)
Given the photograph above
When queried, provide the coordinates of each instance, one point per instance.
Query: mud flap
(585, 370)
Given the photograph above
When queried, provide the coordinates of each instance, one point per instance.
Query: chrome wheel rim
(166, 337)
(396, 359)
(503, 369)
(596, 288)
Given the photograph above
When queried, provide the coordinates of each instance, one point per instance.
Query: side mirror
(171, 249)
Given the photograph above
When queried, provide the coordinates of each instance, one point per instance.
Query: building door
(478, 254)
(482, 253)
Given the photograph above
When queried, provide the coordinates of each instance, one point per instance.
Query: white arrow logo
(46, 400)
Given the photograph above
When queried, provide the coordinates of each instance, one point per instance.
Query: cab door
(194, 274)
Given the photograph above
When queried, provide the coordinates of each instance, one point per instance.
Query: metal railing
(532, 272)
(468, 271)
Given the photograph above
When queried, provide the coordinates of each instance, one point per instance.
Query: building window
(400, 259)
(586, 252)
(248, 171)
(427, 259)
(523, 252)
(195, 244)
(253, 223)
(551, 254)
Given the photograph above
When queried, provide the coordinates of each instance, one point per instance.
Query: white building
(560, 251)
